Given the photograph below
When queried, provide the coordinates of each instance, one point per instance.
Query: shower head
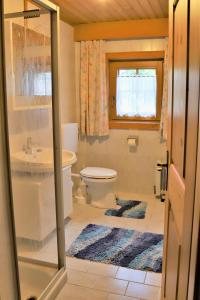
(28, 14)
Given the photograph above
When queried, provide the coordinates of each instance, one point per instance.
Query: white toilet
(99, 181)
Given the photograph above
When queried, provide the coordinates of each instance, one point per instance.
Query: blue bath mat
(129, 209)
(118, 246)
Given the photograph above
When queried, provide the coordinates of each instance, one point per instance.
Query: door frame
(6, 164)
(188, 240)
(60, 277)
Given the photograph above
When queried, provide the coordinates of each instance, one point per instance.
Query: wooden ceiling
(89, 11)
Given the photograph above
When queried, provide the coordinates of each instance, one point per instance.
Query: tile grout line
(116, 272)
(95, 289)
(92, 273)
(145, 277)
(103, 276)
(126, 288)
(109, 276)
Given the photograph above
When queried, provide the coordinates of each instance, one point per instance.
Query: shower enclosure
(32, 133)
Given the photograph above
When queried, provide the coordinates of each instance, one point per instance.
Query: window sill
(146, 125)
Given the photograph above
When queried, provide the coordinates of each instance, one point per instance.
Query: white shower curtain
(93, 89)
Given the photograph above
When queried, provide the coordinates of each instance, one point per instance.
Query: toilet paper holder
(132, 140)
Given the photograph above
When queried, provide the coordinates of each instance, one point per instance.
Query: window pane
(127, 72)
(42, 84)
(136, 93)
(147, 72)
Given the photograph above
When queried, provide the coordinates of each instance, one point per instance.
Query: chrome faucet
(28, 147)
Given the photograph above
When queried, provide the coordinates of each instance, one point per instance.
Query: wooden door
(182, 147)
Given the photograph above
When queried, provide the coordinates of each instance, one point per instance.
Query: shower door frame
(61, 276)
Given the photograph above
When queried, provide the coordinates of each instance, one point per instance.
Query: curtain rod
(124, 39)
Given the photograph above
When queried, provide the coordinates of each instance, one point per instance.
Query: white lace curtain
(136, 96)
(93, 89)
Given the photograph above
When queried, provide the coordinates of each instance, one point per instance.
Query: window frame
(153, 59)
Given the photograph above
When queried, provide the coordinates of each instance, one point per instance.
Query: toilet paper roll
(132, 142)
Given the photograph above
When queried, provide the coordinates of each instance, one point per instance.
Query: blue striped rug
(128, 209)
(119, 246)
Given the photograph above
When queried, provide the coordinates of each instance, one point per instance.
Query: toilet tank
(70, 136)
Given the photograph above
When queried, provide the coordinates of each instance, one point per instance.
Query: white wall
(67, 73)
(135, 169)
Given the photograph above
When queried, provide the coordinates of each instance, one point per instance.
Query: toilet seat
(99, 185)
(98, 173)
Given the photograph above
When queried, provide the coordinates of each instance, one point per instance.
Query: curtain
(136, 96)
(93, 89)
(164, 112)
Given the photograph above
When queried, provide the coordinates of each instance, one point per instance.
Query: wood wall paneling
(176, 194)
(169, 133)
(179, 268)
(191, 145)
(194, 63)
(137, 55)
(148, 28)
(173, 255)
(179, 88)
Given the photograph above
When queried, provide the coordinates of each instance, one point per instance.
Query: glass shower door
(31, 135)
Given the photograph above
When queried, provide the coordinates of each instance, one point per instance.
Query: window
(42, 84)
(135, 93)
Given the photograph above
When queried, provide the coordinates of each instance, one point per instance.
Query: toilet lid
(93, 172)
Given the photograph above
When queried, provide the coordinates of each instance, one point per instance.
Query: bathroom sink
(40, 160)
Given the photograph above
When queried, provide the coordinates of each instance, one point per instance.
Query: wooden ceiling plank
(119, 10)
(155, 4)
(125, 6)
(68, 14)
(134, 10)
(101, 11)
(139, 9)
(106, 12)
(78, 8)
(72, 16)
(164, 5)
(89, 11)
(148, 8)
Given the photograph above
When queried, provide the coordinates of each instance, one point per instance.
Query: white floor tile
(143, 291)
(91, 267)
(76, 264)
(91, 280)
(119, 297)
(81, 278)
(102, 269)
(111, 285)
(153, 279)
(74, 292)
(98, 282)
(131, 275)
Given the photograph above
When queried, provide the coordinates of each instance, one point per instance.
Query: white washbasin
(40, 160)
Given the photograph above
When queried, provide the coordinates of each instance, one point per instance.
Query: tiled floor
(90, 280)
(95, 281)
